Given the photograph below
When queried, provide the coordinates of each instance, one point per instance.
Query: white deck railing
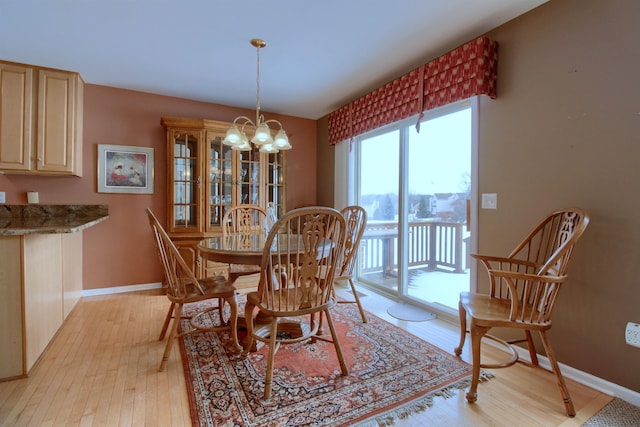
(435, 245)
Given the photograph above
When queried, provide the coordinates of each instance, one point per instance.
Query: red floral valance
(466, 71)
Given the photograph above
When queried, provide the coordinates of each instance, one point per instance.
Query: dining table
(247, 248)
(244, 247)
(234, 248)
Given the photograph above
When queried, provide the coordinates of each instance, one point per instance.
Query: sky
(439, 157)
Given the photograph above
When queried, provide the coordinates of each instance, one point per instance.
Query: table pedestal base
(295, 328)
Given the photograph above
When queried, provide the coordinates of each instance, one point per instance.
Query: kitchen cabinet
(40, 290)
(206, 178)
(40, 277)
(40, 120)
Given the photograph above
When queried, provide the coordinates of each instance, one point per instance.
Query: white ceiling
(320, 54)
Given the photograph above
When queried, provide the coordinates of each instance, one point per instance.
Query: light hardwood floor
(101, 370)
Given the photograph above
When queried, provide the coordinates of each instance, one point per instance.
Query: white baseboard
(121, 289)
(581, 377)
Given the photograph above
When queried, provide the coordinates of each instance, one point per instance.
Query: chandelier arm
(247, 120)
(274, 121)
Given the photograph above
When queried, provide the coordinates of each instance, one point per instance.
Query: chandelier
(236, 136)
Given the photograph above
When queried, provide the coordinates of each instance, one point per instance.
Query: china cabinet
(40, 120)
(206, 177)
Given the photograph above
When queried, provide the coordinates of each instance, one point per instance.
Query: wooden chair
(183, 288)
(523, 292)
(356, 221)
(243, 219)
(303, 241)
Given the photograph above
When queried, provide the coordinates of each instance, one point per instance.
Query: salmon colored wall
(120, 251)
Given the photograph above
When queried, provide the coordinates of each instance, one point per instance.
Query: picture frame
(125, 169)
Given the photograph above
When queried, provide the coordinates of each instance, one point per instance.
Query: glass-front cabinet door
(234, 178)
(274, 182)
(219, 191)
(249, 177)
(185, 187)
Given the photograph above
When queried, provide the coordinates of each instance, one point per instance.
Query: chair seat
(495, 312)
(213, 287)
(287, 304)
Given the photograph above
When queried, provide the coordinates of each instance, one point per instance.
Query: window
(415, 188)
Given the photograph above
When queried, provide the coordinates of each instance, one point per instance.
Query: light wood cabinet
(40, 120)
(206, 178)
(41, 283)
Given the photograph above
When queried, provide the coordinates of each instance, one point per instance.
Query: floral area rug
(617, 413)
(392, 373)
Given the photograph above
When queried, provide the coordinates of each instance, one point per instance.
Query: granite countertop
(17, 220)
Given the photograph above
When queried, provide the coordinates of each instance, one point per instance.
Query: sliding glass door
(416, 188)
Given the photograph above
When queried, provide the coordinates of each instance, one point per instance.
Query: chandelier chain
(258, 85)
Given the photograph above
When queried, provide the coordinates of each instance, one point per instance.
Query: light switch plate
(489, 201)
(3, 197)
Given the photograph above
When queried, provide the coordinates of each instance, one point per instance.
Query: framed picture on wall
(125, 169)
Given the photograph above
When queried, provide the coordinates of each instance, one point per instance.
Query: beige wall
(326, 157)
(565, 131)
(120, 251)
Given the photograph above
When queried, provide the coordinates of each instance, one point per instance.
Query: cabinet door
(249, 178)
(43, 307)
(11, 311)
(200, 266)
(57, 122)
(189, 252)
(219, 178)
(274, 182)
(16, 112)
(185, 185)
(71, 270)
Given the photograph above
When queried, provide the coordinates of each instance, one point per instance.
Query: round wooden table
(234, 248)
(243, 248)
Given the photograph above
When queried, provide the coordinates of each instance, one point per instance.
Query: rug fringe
(421, 404)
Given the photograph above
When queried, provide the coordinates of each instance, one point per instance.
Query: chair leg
(463, 329)
(166, 322)
(233, 321)
(248, 317)
(221, 310)
(312, 321)
(568, 403)
(357, 300)
(477, 333)
(172, 335)
(273, 334)
(336, 344)
(532, 348)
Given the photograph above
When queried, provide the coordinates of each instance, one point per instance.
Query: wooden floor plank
(101, 369)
